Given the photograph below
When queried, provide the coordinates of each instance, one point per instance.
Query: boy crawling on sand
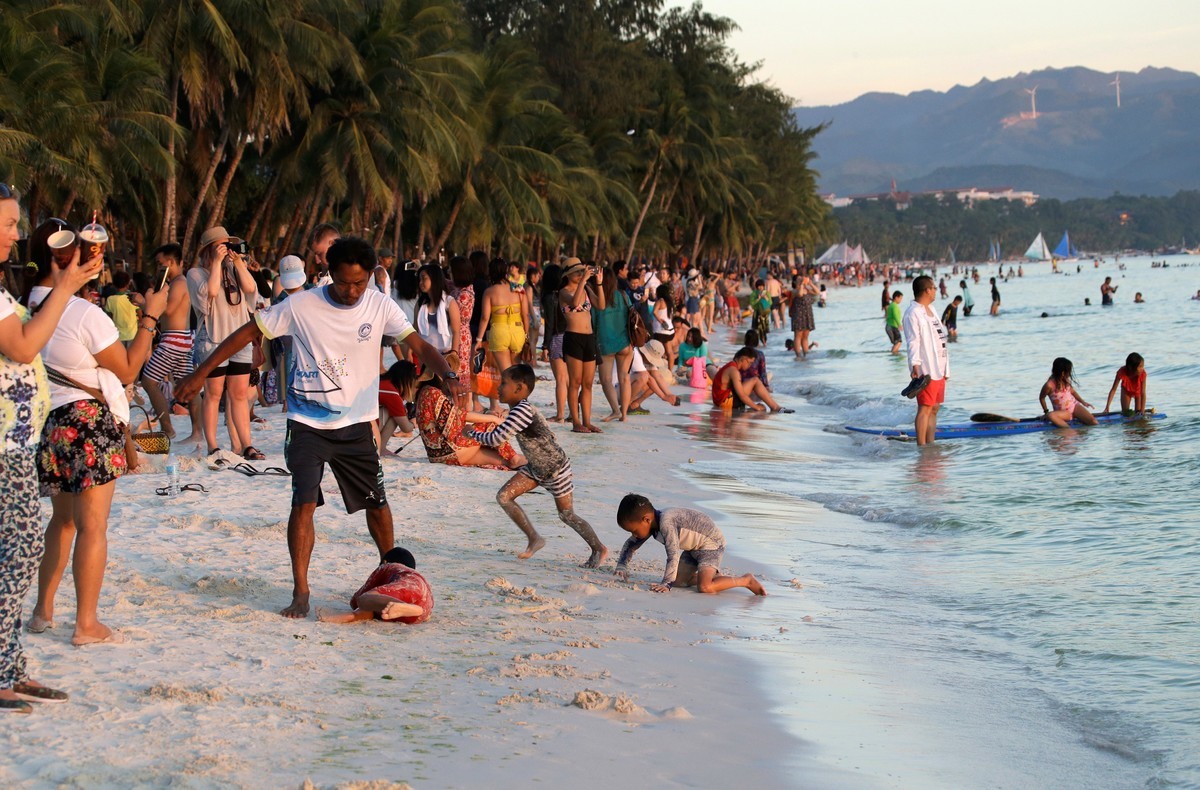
(694, 547)
(547, 465)
(394, 592)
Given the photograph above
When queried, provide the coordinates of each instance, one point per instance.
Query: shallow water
(1005, 612)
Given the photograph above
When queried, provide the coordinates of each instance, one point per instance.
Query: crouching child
(693, 542)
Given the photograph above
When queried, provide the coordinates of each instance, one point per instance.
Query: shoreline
(215, 688)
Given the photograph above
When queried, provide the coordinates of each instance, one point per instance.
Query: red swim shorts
(934, 394)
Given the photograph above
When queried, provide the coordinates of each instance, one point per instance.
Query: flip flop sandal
(166, 491)
(276, 472)
(33, 693)
(246, 469)
(252, 453)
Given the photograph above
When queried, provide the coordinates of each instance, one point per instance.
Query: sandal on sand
(15, 706)
(32, 693)
(115, 638)
(251, 453)
(216, 460)
(246, 469)
(278, 471)
(37, 625)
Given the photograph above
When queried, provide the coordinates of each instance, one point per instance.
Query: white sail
(1038, 251)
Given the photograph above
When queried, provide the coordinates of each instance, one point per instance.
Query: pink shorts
(934, 394)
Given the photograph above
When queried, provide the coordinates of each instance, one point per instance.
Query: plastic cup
(62, 247)
(94, 241)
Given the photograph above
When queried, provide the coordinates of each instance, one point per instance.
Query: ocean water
(1006, 612)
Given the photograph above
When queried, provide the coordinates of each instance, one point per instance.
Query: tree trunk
(209, 174)
(218, 212)
(596, 246)
(398, 202)
(167, 233)
(637, 228)
(458, 204)
(139, 246)
(318, 199)
(293, 223)
(68, 204)
(696, 241)
(261, 212)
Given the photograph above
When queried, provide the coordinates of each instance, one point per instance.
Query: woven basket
(151, 442)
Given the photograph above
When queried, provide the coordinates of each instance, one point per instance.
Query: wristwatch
(452, 376)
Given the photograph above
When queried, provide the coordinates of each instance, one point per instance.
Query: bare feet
(191, 438)
(753, 584)
(330, 616)
(597, 558)
(592, 428)
(394, 611)
(554, 419)
(298, 609)
(580, 429)
(38, 625)
(535, 545)
(616, 415)
(100, 634)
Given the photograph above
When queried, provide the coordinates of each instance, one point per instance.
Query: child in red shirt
(394, 592)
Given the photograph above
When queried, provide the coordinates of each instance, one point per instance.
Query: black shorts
(580, 345)
(893, 333)
(351, 454)
(231, 369)
(664, 337)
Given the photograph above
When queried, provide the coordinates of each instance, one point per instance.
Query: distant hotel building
(968, 195)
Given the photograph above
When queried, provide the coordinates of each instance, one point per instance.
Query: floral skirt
(82, 446)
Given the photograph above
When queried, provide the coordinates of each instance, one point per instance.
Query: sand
(529, 671)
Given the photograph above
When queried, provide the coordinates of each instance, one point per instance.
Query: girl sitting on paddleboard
(1132, 380)
(1068, 404)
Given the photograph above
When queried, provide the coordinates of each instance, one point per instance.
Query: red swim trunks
(933, 394)
(402, 583)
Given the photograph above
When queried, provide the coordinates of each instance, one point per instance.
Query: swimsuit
(1064, 400)
(1130, 386)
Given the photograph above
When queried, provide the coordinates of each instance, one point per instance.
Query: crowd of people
(356, 349)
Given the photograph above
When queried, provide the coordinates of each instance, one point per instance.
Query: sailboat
(1038, 251)
(993, 251)
(1065, 250)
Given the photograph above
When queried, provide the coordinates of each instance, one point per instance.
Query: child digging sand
(694, 547)
(394, 592)
(547, 464)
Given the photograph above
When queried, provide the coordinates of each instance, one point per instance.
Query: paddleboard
(979, 430)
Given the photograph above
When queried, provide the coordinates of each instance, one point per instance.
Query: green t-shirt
(893, 314)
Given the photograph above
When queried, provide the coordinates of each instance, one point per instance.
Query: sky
(832, 51)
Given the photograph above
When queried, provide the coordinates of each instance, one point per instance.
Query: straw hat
(655, 355)
(572, 266)
(215, 235)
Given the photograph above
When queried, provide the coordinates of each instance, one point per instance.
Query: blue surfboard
(980, 430)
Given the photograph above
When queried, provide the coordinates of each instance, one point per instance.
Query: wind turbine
(1117, 82)
(1033, 99)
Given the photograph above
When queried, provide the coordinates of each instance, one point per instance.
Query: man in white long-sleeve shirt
(925, 336)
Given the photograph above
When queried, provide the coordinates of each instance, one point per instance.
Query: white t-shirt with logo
(333, 373)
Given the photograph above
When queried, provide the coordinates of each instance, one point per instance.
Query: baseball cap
(291, 272)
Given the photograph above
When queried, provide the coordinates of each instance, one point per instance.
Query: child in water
(1068, 404)
(1132, 380)
(693, 542)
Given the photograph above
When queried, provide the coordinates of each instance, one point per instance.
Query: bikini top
(583, 308)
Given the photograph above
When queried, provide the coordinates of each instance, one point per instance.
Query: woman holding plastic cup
(222, 292)
(24, 403)
(82, 448)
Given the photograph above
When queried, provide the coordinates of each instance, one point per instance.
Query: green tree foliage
(930, 228)
(599, 127)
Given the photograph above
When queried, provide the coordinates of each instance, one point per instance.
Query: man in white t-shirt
(332, 394)
(927, 355)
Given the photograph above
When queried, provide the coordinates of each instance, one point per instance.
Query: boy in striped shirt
(547, 465)
(694, 546)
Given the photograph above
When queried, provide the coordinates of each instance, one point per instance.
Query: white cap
(291, 272)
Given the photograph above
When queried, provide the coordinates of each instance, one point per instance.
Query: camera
(240, 247)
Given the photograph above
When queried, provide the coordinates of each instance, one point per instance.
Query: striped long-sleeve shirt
(679, 529)
(537, 443)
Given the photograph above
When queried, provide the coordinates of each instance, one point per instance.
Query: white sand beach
(529, 671)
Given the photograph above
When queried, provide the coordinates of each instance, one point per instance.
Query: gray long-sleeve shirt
(679, 529)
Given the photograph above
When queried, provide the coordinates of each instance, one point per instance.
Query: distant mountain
(1079, 145)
